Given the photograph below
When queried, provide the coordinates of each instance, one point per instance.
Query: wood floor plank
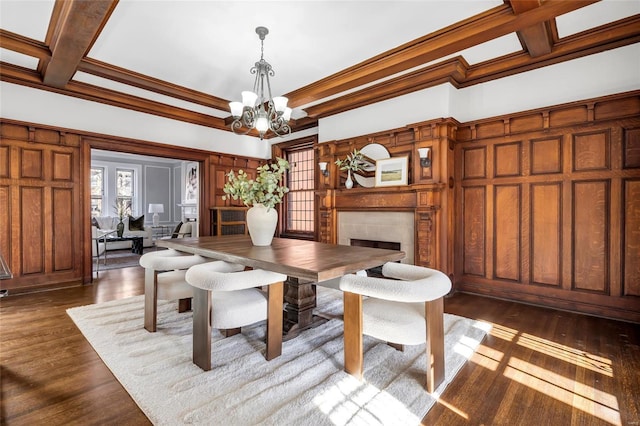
(536, 366)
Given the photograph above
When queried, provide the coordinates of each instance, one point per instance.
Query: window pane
(96, 207)
(97, 176)
(124, 183)
(299, 201)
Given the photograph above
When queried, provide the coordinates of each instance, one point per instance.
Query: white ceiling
(210, 46)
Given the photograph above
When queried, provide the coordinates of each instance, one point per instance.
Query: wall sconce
(425, 161)
(323, 168)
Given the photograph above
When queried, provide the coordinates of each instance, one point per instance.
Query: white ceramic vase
(262, 223)
(349, 182)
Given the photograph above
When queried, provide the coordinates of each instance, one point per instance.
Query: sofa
(107, 223)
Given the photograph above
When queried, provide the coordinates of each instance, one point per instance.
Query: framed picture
(191, 183)
(392, 171)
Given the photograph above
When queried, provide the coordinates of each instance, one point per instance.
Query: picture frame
(392, 171)
(191, 183)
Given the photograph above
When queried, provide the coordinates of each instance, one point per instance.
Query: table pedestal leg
(300, 300)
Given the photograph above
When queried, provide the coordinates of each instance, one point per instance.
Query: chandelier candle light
(251, 112)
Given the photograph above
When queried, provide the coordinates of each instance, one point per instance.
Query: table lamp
(155, 209)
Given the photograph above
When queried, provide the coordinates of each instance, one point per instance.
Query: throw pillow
(136, 224)
(94, 222)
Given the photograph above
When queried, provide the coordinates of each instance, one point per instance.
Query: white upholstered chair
(224, 298)
(164, 273)
(404, 308)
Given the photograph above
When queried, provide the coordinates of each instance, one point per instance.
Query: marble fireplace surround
(390, 226)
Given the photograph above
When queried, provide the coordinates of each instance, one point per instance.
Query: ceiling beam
(121, 75)
(459, 74)
(536, 39)
(478, 29)
(74, 28)
(26, 77)
(26, 46)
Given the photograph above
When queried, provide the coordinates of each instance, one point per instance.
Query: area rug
(304, 386)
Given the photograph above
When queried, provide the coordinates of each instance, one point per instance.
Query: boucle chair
(405, 310)
(164, 279)
(230, 301)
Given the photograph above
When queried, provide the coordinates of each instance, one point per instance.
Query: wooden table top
(307, 260)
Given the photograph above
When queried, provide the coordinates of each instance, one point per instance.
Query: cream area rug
(304, 386)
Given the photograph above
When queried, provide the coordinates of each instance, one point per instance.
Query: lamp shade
(156, 208)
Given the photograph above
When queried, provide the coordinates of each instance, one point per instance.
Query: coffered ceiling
(186, 60)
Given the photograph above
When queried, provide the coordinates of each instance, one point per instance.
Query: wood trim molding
(73, 32)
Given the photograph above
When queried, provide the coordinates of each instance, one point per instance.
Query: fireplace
(387, 245)
(390, 230)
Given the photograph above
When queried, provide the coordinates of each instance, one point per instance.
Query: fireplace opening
(387, 245)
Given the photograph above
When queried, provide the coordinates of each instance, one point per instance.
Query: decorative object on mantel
(155, 209)
(262, 195)
(372, 153)
(425, 160)
(392, 171)
(251, 113)
(121, 208)
(352, 163)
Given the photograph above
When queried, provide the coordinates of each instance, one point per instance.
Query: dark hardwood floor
(536, 367)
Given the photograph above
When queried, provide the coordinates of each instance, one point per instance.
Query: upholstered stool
(169, 285)
(407, 309)
(229, 300)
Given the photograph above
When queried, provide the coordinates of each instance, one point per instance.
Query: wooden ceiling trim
(537, 39)
(481, 28)
(121, 75)
(123, 100)
(452, 71)
(26, 46)
(26, 77)
(74, 31)
(605, 37)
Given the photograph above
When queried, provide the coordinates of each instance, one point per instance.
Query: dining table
(304, 262)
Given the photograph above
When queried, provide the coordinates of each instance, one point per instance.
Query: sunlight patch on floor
(504, 333)
(453, 409)
(586, 398)
(565, 353)
(368, 405)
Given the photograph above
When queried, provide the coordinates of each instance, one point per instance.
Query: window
(97, 191)
(299, 202)
(124, 189)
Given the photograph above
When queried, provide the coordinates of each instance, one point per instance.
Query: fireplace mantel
(423, 200)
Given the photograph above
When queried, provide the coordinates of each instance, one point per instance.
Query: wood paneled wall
(45, 209)
(548, 207)
(40, 201)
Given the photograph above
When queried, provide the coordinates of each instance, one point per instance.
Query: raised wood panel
(62, 166)
(545, 235)
(526, 123)
(31, 163)
(474, 203)
(474, 163)
(615, 108)
(590, 236)
(506, 256)
(490, 129)
(631, 246)
(63, 229)
(546, 156)
(591, 151)
(425, 232)
(631, 150)
(5, 225)
(32, 230)
(507, 159)
(4, 161)
(568, 116)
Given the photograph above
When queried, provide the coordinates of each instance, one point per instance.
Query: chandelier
(258, 108)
